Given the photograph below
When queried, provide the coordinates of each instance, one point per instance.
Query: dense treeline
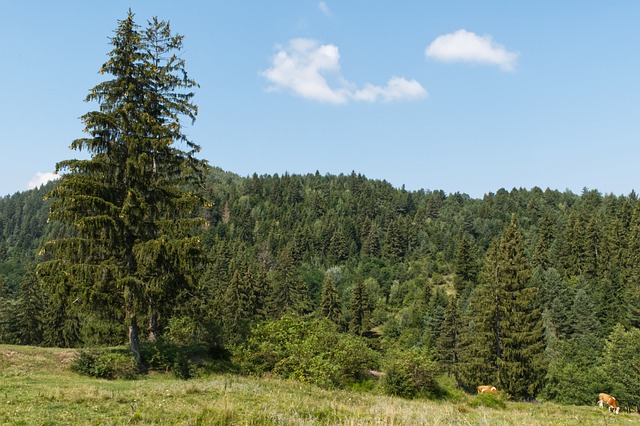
(534, 290)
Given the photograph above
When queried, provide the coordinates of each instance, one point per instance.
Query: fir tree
(129, 203)
(521, 364)
(504, 330)
(541, 252)
(370, 240)
(465, 263)
(360, 310)
(478, 345)
(632, 291)
(330, 303)
(288, 293)
(447, 343)
(29, 313)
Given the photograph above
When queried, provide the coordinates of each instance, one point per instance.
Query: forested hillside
(534, 290)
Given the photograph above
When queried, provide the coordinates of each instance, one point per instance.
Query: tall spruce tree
(330, 303)
(360, 310)
(504, 330)
(521, 363)
(478, 344)
(465, 264)
(131, 203)
(446, 344)
(30, 305)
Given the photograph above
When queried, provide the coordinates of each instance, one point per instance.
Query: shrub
(183, 361)
(305, 349)
(487, 400)
(410, 373)
(106, 364)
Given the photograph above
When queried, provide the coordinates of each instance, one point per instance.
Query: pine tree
(521, 364)
(360, 310)
(541, 252)
(632, 291)
(370, 239)
(288, 293)
(504, 330)
(330, 303)
(236, 313)
(395, 245)
(478, 343)
(29, 311)
(465, 264)
(130, 203)
(621, 363)
(447, 343)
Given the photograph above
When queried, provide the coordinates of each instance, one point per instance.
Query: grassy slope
(37, 388)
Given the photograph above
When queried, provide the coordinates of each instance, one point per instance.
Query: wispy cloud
(41, 178)
(324, 8)
(312, 70)
(398, 88)
(465, 46)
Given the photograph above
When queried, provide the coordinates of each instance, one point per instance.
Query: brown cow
(610, 401)
(488, 389)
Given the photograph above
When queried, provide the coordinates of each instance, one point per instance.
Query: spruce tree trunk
(152, 330)
(134, 343)
(153, 327)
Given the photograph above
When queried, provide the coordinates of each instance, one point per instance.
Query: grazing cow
(488, 389)
(610, 401)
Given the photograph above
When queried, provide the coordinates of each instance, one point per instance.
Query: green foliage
(130, 203)
(271, 238)
(183, 361)
(360, 310)
(411, 373)
(575, 374)
(621, 363)
(105, 364)
(330, 306)
(309, 350)
(505, 331)
(489, 400)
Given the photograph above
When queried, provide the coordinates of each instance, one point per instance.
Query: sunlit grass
(37, 388)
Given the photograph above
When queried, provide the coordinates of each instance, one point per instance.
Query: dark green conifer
(521, 363)
(465, 264)
(330, 307)
(130, 202)
(30, 307)
(447, 343)
(360, 310)
(288, 292)
(503, 325)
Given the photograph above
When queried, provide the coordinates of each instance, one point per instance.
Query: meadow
(38, 388)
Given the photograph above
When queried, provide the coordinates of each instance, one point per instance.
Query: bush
(105, 364)
(487, 400)
(308, 350)
(410, 374)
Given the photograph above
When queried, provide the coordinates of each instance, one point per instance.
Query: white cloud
(397, 88)
(305, 67)
(41, 178)
(465, 46)
(324, 8)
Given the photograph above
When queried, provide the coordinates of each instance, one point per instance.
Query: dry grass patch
(51, 395)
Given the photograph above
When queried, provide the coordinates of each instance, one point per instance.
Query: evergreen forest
(337, 280)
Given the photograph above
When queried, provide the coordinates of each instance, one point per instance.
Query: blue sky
(463, 96)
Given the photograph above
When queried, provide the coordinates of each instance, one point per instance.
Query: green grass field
(38, 388)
